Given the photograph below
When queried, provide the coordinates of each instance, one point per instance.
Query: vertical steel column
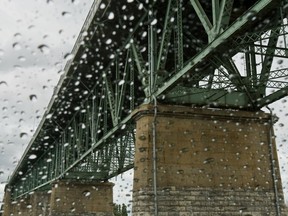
(152, 58)
(272, 160)
(152, 49)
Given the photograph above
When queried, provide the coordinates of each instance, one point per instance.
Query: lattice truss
(220, 53)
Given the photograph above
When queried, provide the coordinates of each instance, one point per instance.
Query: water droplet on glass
(121, 82)
(3, 83)
(21, 58)
(48, 116)
(44, 48)
(108, 41)
(111, 16)
(33, 97)
(23, 135)
(102, 6)
(17, 36)
(154, 21)
(32, 157)
(68, 56)
(66, 14)
(16, 46)
(86, 193)
(44, 177)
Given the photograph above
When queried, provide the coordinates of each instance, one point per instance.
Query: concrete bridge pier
(207, 162)
(76, 198)
(68, 198)
(7, 205)
(35, 204)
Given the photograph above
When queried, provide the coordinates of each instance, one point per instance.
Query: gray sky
(35, 35)
(28, 75)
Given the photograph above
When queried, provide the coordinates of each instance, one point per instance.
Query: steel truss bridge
(218, 53)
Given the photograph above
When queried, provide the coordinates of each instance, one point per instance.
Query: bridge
(140, 74)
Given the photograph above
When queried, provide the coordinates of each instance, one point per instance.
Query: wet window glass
(136, 107)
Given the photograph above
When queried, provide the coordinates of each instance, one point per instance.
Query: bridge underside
(221, 54)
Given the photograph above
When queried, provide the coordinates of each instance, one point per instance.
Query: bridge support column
(7, 208)
(40, 201)
(31, 205)
(209, 162)
(21, 206)
(81, 198)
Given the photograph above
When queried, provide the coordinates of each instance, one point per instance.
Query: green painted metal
(196, 53)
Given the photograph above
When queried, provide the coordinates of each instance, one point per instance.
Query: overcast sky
(35, 35)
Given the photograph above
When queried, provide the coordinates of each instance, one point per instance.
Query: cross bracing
(130, 53)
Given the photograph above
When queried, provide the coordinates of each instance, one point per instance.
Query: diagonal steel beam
(238, 25)
(202, 15)
(267, 63)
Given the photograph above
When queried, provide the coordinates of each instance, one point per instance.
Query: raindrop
(111, 16)
(68, 56)
(1, 52)
(280, 61)
(49, 116)
(49, 160)
(17, 36)
(108, 41)
(44, 177)
(3, 83)
(86, 193)
(154, 21)
(23, 135)
(127, 46)
(140, 7)
(32, 157)
(44, 48)
(66, 14)
(102, 6)
(208, 160)
(16, 46)
(112, 56)
(33, 97)
(21, 58)
(121, 82)
(75, 2)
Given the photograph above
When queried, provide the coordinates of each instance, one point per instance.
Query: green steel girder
(178, 59)
(211, 97)
(166, 35)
